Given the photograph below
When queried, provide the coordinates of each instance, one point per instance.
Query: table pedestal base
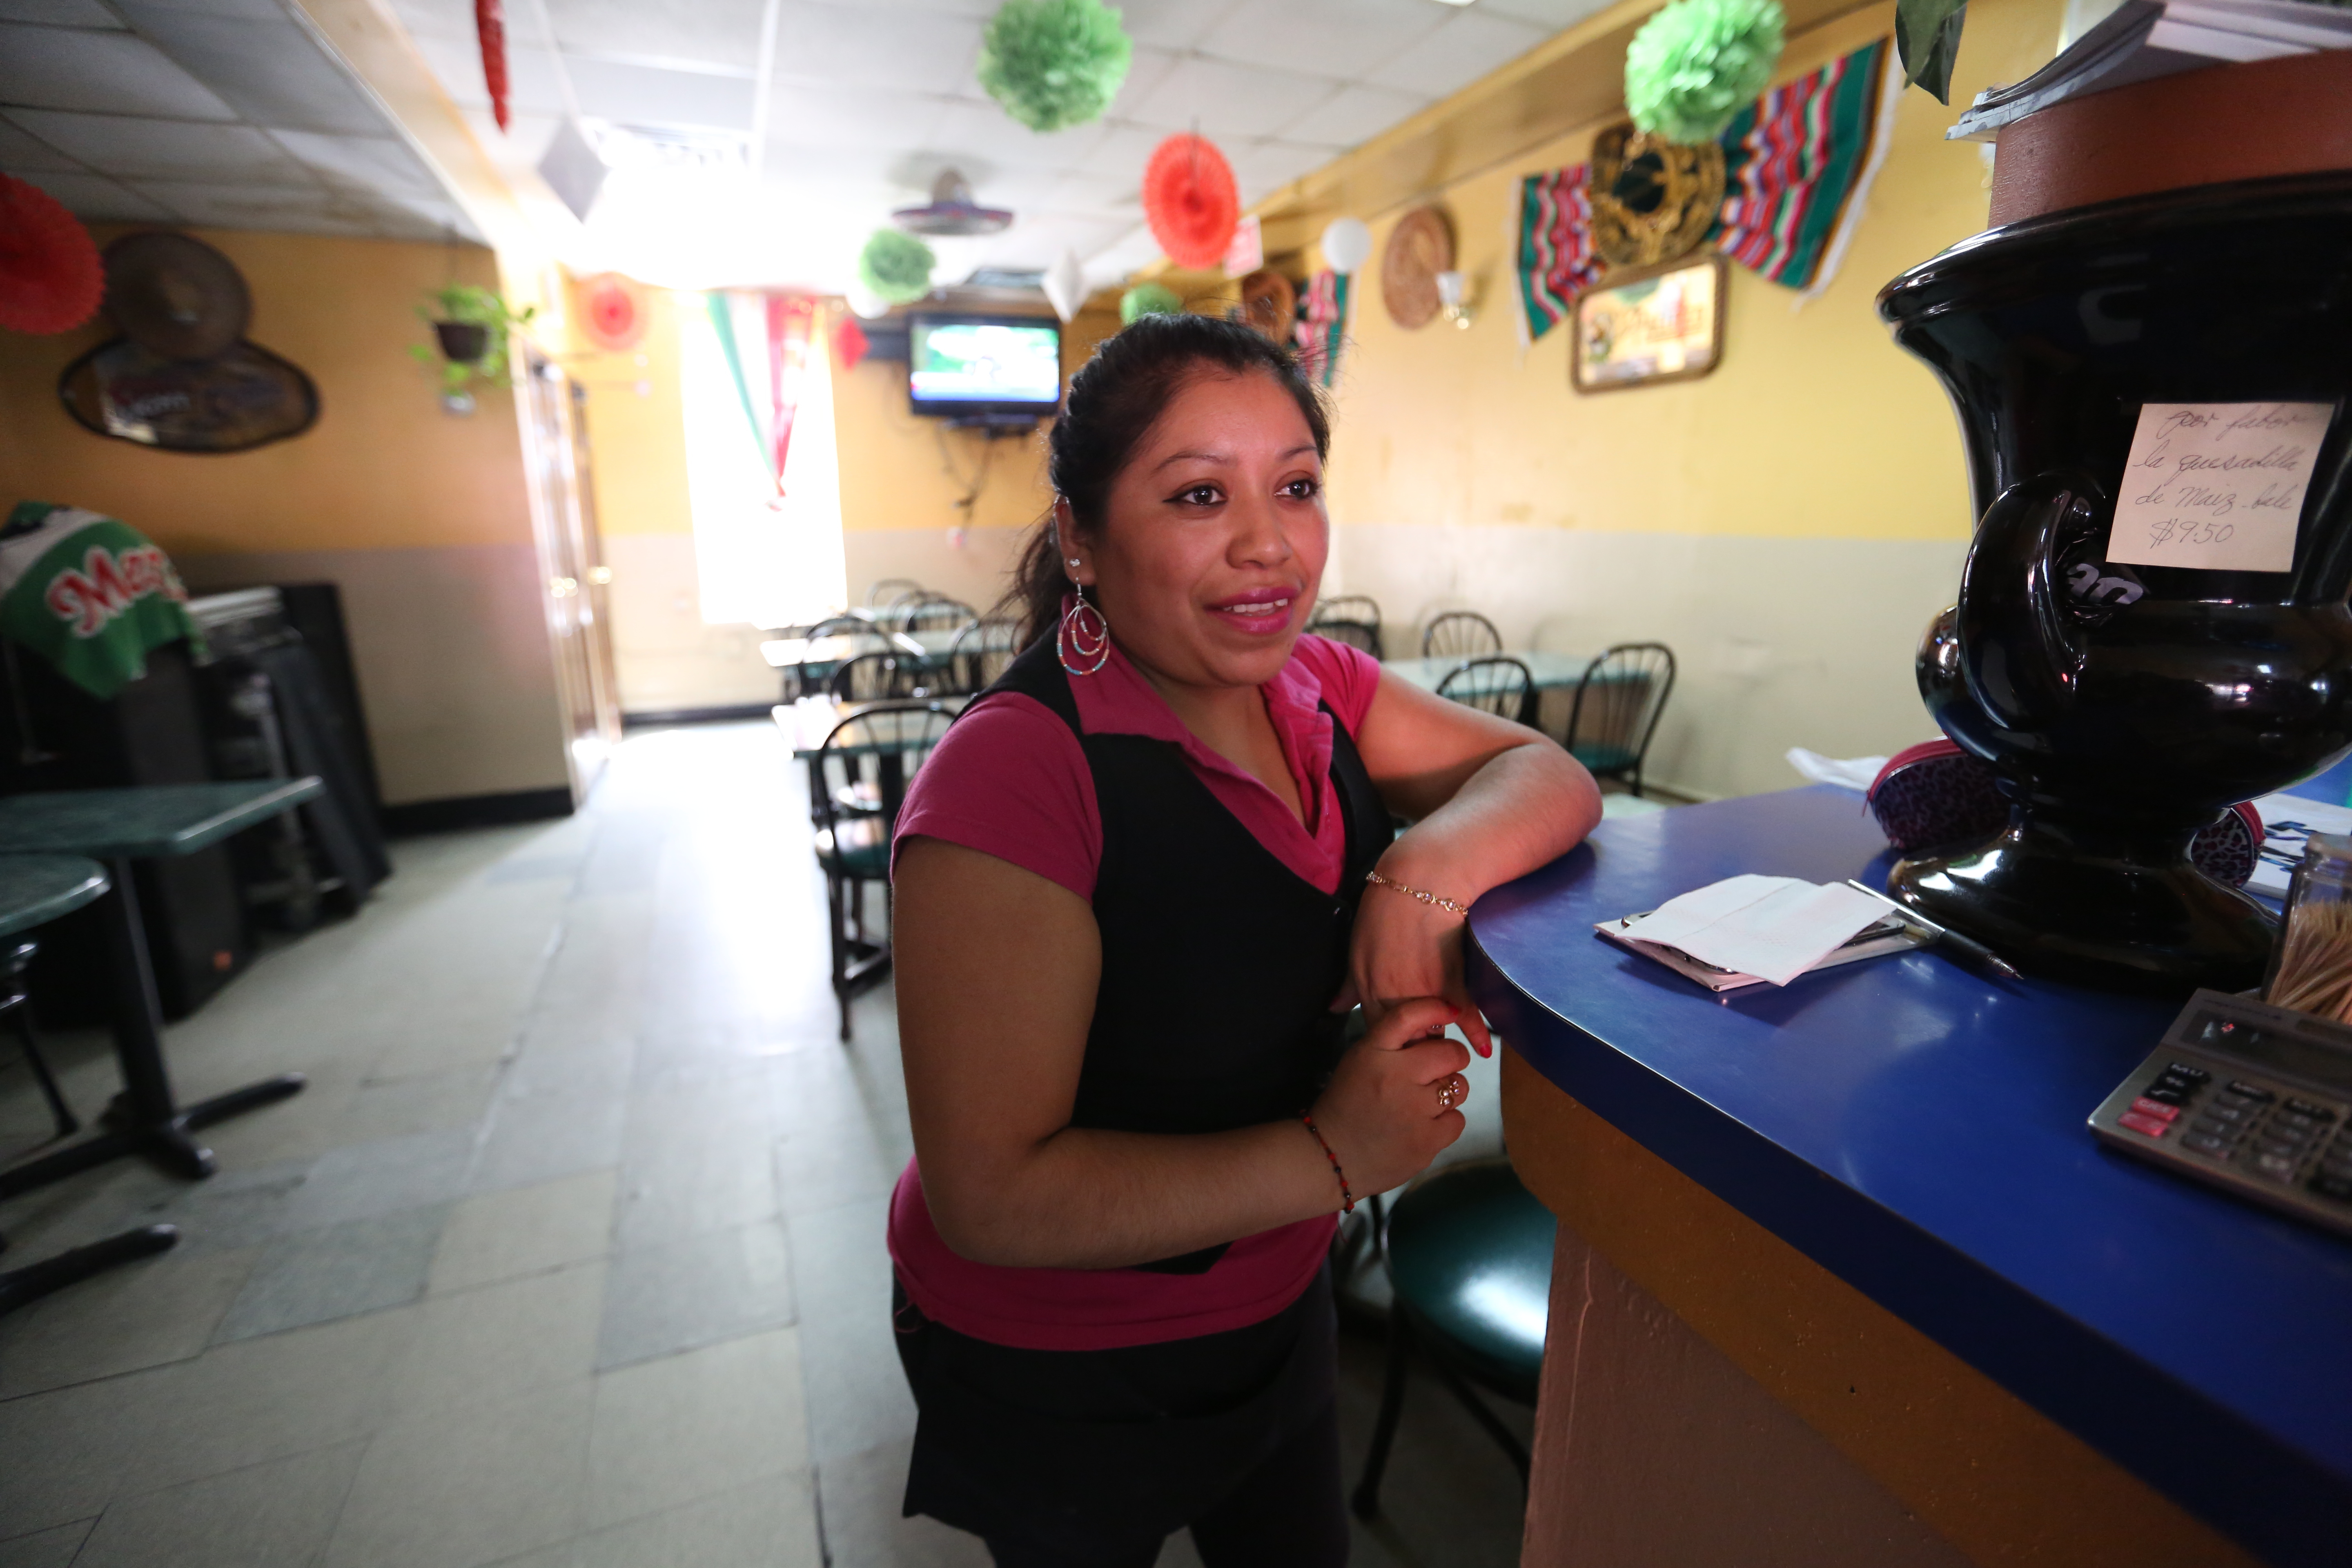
(23, 1286)
(170, 1143)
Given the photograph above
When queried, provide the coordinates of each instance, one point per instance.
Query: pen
(1966, 948)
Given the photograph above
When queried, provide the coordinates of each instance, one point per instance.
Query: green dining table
(1549, 671)
(119, 827)
(34, 890)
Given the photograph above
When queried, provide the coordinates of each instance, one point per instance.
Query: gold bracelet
(1448, 905)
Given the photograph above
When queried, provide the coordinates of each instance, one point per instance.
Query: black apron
(1218, 968)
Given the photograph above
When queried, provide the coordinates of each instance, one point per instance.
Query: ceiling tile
(273, 73)
(887, 125)
(59, 13)
(125, 147)
(437, 18)
(983, 132)
(240, 10)
(1080, 191)
(648, 95)
(533, 86)
(1467, 47)
(1227, 102)
(1552, 16)
(384, 164)
(707, 31)
(1122, 153)
(1263, 167)
(1332, 37)
(1177, 23)
(1146, 70)
(275, 207)
(106, 73)
(21, 153)
(95, 199)
(1353, 115)
(861, 47)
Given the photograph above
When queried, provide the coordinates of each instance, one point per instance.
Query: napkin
(1774, 928)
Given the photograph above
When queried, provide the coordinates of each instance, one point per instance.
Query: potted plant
(470, 327)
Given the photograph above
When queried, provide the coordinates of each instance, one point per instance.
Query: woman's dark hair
(1114, 400)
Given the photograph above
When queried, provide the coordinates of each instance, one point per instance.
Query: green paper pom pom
(895, 265)
(1148, 299)
(1696, 64)
(1054, 63)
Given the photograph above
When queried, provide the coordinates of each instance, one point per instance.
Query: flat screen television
(983, 367)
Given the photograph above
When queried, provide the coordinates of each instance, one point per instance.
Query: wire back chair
(1618, 703)
(935, 613)
(868, 757)
(798, 682)
(1460, 634)
(842, 626)
(981, 653)
(875, 678)
(1499, 685)
(1351, 618)
(886, 590)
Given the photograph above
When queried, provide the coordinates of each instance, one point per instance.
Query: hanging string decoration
(1798, 164)
(1052, 64)
(1148, 299)
(895, 265)
(490, 27)
(1191, 201)
(50, 277)
(1555, 261)
(1696, 64)
(1322, 324)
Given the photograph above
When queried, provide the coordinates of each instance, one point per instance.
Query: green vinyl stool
(1469, 1256)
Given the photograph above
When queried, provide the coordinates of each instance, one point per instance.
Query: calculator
(2247, 1097)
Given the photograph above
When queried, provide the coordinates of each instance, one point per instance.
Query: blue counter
(1919, 1132)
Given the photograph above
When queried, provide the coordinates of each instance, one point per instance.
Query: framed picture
(1664, 325)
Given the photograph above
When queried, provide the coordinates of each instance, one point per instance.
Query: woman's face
(1215, 535)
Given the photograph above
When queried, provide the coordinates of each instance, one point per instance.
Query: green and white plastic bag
(90, 594)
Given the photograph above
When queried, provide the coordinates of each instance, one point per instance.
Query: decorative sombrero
(175, 296)
(1652, 200)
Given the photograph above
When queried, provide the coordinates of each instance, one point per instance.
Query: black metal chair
(936, 613)
(843, 627)
(870, 754)
(875, 678)
(1618, 703)
(1351, 618)
(981, 653)
(797, 682)
(1498, 685)
(886, 590)
(1460, 634)
(16, 1005)
(1469, 1257)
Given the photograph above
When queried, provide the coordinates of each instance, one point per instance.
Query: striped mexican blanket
(1556, 260)
(1796, 163)
(1322, 324)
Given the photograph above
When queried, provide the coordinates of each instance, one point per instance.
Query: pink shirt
(1009, 780)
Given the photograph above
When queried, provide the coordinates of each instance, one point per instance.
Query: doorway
(574, 577)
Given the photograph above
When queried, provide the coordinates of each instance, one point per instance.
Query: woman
(1132, 904)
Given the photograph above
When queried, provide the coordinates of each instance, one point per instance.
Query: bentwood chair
(980, 652)
(875, 678)
(1469, 1256)
(936, 613)
(887, 589)
(1618, 703)
(798, 683)
(16, 1005)
(869, 755)
(1351, 618)
(843, 627)
(1499, 685)
(1460, 634)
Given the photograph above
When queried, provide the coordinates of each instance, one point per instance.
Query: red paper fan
(613, 313)
(50, 277)
(1190, 202)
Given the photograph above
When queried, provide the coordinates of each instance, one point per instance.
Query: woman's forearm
(1522, 808)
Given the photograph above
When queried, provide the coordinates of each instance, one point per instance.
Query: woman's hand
(1383, 1114)
(1403, 948)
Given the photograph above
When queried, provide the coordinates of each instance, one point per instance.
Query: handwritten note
(2216, 485)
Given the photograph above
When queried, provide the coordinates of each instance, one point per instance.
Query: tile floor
(569, 1256)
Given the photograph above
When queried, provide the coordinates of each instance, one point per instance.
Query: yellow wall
(637, 425)
(1788, 523)
(423, 518)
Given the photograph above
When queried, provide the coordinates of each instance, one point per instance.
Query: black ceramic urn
(2125, 702)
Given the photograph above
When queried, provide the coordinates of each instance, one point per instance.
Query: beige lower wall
(1778, 642)
(667, 657)
(451, 651)
(974, 570)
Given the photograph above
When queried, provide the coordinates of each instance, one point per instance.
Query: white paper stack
(1752, 928)
(2144, 39)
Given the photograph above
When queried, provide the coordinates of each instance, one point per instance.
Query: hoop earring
(1074, 636)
